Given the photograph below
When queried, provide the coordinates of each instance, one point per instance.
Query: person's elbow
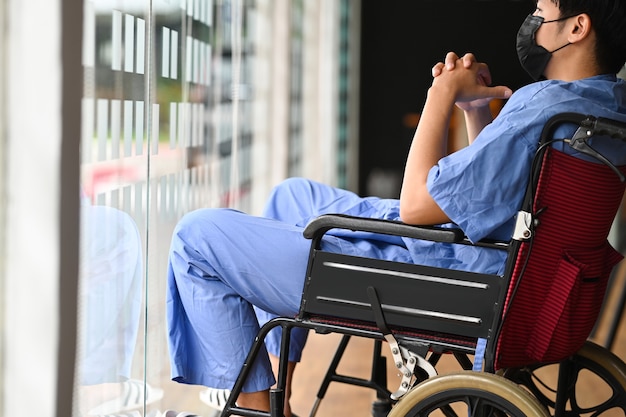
(421, 209)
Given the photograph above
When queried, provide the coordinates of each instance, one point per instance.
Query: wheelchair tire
(468, 394)
(594, 366)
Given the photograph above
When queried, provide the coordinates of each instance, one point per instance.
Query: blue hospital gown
(228, 270)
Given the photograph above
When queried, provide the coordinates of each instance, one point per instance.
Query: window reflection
(166, 129)
(181, 110)
(111, 296)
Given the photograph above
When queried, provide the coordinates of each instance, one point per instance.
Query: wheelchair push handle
(588, 127)
(322, 224)
(611, 128)
(598, 126)
(592, 126)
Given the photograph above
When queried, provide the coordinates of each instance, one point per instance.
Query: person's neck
(573, 70)
(574, 76)
(576, 62)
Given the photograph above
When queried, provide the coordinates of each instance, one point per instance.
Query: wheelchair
(520, 338)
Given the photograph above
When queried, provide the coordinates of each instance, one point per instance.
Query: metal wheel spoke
(478, 407)
(591, 365)
(448, 411)
(484, 408)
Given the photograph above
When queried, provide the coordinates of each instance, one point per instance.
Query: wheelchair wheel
(468, 393)
(596, 383)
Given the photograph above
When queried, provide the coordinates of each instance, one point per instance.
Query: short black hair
(608, 18)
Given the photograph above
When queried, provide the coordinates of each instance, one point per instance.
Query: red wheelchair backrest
(560, 275)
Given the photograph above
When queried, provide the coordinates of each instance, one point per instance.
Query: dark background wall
(401, 41)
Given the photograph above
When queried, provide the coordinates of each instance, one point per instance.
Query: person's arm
(475, 121)
(428, 146)
(457, 85)
(477, 113)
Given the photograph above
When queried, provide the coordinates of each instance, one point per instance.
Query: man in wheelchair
(228, 271)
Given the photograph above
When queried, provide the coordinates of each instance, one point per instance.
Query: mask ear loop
(559, 20)
(559, 48)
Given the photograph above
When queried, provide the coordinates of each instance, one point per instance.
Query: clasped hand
(468, 80)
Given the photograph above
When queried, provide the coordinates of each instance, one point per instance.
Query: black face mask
(534, 58)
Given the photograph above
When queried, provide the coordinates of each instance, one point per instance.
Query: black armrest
(320, 225)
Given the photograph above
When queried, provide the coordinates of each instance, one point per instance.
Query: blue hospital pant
(224, 264)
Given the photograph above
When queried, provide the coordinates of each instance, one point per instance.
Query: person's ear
(580, 28)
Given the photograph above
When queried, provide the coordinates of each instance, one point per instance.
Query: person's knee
(201, 222)
(284, 196)
(290, 189)
(291, 185)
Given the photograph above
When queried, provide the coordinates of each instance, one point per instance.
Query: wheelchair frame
(470, 324)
